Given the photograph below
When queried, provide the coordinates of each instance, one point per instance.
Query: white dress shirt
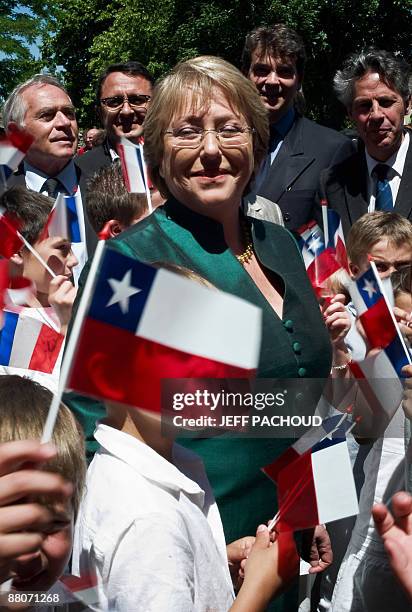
(150, 530)
(35, 180)
(396, 163)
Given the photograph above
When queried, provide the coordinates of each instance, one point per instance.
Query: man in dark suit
(375, 87)
(122, 96)
(42, 107)
(299, 149)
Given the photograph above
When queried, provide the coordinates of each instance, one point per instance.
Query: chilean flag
(28, 343)
(336, 426)
(84, 588)
(318, 487)
(13, 149)
(320, 259)
(145, 324)
(334, 237)
(376, 316)
(63, 220)
(133, 166)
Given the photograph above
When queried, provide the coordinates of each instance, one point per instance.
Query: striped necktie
(52, 185)
(384, 200)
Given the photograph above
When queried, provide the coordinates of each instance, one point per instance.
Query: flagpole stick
(36, 255)
(148, 196)
(385, 297)
(72, 343)
(324, 206)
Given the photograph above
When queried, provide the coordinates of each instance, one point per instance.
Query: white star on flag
(122, 291)
(369, 288)
(315, 243)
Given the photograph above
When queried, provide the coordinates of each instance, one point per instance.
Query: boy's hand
(270, 567)
(404, 319)
(396, 532)
(62, 293)
(317, 549)
(237, 551)
(407, 391)
(23, 525)
(337, 319)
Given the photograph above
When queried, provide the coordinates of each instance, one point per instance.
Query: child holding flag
(32, 336)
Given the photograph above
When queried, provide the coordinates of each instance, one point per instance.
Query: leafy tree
(86, 35)
(20, 25)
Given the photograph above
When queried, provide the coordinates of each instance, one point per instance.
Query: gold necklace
(246, 256)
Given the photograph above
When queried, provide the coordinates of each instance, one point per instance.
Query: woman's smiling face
(209, 178)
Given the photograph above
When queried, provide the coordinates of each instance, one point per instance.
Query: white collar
(395, 161)
(68, 177)
(150, 464)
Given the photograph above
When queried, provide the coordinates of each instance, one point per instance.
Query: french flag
(28, 343)
(375, 313)
(63, 220)
(162, 325)
(133, 166)
(13, 149)
(318, 487)
(320, 259)
(84, 588)
(10, 239)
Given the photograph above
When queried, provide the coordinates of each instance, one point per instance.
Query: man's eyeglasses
(134, 100)
(191, 137)
(399, 266)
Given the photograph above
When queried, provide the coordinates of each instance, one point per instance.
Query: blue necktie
(384, 200)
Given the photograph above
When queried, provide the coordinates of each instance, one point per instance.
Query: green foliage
(20, 25)
(84, 36)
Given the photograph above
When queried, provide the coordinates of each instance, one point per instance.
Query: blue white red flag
(334, 237)
(318, 487)
(334, 427)
(133, 166)
(63, 220)
(13, 149)
(320, 259)
(28, 343)
(163, 325)
(84, 588)
(375, 313)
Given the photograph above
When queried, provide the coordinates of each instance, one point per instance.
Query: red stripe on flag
(298, 508)
(10, 243)
(46, 350)
(20, 139)
(323, 267)
(367, 390)
(272, 470)
(99, 371)
(126, 178)
(378, 325)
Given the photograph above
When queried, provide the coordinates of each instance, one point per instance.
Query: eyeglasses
(191, 137)
(399, 266)
(134, 100)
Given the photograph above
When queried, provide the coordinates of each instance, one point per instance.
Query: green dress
(296, 346)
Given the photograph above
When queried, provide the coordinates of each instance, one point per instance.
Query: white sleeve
(151, 568)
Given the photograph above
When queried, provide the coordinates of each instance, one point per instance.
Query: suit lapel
(17, 178)
(403, 204)
(288, 165)
(356, 187)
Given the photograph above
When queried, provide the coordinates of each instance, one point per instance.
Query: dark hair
(24, 405)
(107, 198)
(130, 68)
(29, 207)
(392, 69)
(279, 41)
(402, 281)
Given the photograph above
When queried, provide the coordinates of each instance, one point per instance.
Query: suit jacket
(345, 187)
(293, 178)
(18, 178)
(93, 160)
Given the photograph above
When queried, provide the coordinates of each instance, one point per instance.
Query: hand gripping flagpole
(74, 337)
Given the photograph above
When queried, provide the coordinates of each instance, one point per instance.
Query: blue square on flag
(121, 291)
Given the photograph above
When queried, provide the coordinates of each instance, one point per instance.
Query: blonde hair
(195, 80)
(24, 405)
(373, 227)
